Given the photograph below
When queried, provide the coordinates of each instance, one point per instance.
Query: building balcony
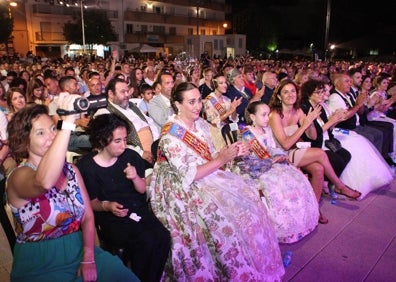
(49, 37)
(195, 3)
(162, 18)
(149, 38)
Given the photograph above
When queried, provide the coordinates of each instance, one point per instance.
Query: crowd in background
(298, 129)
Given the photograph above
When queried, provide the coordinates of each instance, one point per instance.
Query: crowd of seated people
(319, 126)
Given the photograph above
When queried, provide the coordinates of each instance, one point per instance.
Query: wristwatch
(65, 125)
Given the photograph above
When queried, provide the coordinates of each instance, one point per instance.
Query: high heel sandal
(322, 218)
(343, 192)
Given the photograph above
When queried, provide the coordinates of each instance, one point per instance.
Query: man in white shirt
(159, 108)
(149, 75)
(340, 99)
(143, 132)
(8, 79)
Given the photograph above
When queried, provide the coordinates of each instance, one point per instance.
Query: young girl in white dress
(287, 193)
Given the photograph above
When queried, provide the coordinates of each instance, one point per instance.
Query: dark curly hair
(276, 104)
(309, 87)
(19, 128)
(101, 129)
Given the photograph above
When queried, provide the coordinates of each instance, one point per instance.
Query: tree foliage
(97, 29)
(6, 25)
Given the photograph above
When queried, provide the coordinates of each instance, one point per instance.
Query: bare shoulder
(16, 185)
(274, 116)
(19, 175)
(300, 113)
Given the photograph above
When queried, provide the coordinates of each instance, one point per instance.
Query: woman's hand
(235, 104)
(311, 116)
(279, 159)
(243, 148)
(138, 183)
(386, 104)
(66, 102)
(88, 271)
(115, 208)
(130, 172)
(337, 116)
(228, 153)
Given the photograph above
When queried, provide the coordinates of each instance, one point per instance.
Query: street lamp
(11, 4)
(68, 3)
(82, 25)
(328, 14)
(225, 26)
(332, 50)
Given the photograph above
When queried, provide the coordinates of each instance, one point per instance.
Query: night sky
(298, 22)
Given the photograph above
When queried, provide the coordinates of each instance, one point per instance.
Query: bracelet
(103, 205)
(65, 125)
(87, 262)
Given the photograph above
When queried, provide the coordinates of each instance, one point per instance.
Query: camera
(89, 104)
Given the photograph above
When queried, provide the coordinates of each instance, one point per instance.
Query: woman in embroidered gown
(380, 103)
(288, 195)
(288, 123)
(55, 225)
(220, 229)
(367, 170)
(219, 110)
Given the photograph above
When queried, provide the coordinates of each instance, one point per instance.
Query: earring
(178, 112)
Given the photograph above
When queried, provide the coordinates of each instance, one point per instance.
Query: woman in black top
(115, 181)
(312, 93)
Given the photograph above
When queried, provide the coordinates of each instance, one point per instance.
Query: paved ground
(358, 244)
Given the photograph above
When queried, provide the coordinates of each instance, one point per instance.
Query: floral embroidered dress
(220, 230)
(214, 109)
(287, 193)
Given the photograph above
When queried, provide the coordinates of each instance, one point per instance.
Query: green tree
(6, 24)
(97, 29)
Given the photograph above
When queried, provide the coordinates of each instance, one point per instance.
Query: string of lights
(69, 3)
(82, 5)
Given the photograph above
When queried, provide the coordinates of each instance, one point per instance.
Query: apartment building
(170, 26)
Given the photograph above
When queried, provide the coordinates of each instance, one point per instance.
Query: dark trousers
(374, 135)
(147, 242)
(387, 132)
(339, 160)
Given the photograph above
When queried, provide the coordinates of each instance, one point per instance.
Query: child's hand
(279, 159)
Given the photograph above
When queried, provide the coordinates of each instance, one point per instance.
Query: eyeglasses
(320, 92)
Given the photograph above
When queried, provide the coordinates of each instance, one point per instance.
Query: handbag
(333, 144)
